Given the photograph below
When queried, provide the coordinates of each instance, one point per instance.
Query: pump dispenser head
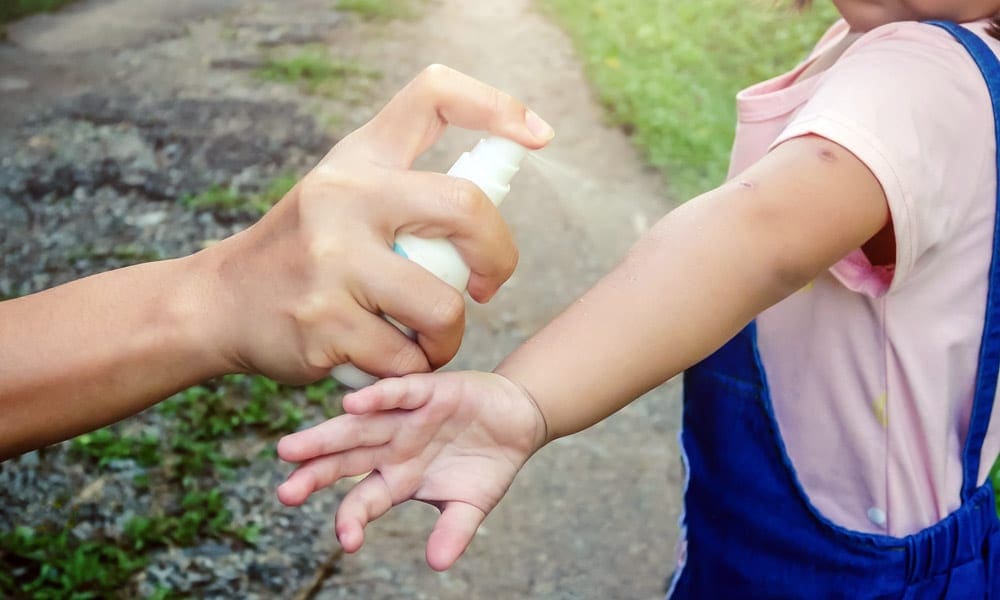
(491, 165)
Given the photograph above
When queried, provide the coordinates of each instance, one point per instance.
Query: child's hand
(453, 440)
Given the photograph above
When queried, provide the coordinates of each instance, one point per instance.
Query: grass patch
(220, 197)
(668, 71)
(15, 9)
(313, 71)
(186, 460)
(378, 10)
(40, 564)
(105, 446)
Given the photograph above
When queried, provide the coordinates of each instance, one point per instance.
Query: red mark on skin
(828, 155)
(746, 185)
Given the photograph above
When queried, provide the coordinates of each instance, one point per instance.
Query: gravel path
(90, 102)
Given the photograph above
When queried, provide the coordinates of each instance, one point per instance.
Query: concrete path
(593, 516)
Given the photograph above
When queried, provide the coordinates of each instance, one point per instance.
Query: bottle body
(439, 256)
(490, 165)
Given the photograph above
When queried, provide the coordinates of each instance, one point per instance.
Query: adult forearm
(88, 353)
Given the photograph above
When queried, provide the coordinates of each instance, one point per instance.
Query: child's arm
(702, 273)
(456, 440)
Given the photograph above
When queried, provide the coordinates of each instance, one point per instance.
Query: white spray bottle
(490, 165)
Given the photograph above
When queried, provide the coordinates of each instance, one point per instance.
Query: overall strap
(989, 350)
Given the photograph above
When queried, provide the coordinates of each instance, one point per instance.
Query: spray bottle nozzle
(491, 165)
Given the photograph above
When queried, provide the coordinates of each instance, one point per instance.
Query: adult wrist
(196, 309)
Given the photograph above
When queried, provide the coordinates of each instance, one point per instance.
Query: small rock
(40, 281)
(146, 220)
(40, 142)
(14, 84)
(83, 531)
(93, 490)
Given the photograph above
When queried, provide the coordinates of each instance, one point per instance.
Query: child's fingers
(452, 534)
(405, 393)
(366, 502)
(320, 472)
(337, 435)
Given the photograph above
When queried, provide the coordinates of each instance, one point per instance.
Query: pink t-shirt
(872, 369)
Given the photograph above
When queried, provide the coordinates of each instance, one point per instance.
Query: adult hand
(292, 296)
(302, 290)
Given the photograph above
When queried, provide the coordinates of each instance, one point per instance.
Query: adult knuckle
(509, 265)
(325, 250)
(434, 77)
(502, 105)
(407, 359)
(448, 310)
(313, 199)
(463, 198)
(315, 358)
(316, 309)
(332, 182)
(318, 360)
(310, 310)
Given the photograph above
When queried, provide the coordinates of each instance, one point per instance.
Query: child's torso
(871, 378)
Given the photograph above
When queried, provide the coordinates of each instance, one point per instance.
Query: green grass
(186, 460)
(313, 71)
(226, 198)
(105, 446)
(668, 71)
(15, 9)
(378, 10)
(54, 566)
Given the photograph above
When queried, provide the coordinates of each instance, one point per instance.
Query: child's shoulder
(914, 39)
(909, 63)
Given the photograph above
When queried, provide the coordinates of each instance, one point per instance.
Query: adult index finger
(419, 113)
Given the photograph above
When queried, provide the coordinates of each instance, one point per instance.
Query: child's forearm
(93, 351)
(700, 275)
(681, 292)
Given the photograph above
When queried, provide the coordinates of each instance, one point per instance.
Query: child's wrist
(541, 434)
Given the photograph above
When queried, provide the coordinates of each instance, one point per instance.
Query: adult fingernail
(538, 128)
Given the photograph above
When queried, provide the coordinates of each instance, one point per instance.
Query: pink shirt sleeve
(910, 103)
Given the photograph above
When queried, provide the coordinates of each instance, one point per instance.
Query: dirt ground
(593, 516)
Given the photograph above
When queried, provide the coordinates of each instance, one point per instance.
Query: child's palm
(453, 440)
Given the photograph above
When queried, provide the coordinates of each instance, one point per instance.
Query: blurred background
(137, 130)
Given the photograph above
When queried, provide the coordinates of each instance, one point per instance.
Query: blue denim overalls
(752, 531)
